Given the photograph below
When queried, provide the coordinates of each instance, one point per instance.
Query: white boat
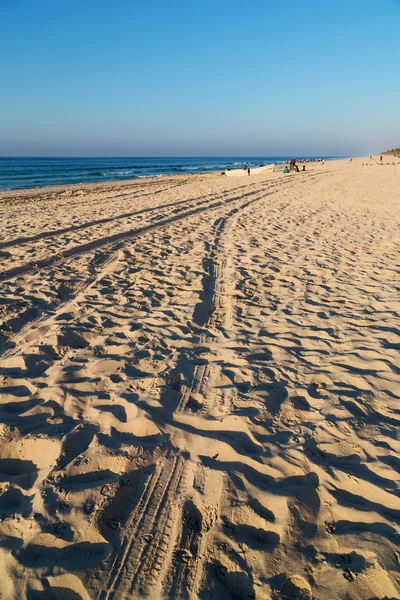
(253, 171)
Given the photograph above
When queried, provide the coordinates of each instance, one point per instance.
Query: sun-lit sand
(200, 387)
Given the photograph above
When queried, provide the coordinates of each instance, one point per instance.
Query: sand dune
(199, 387)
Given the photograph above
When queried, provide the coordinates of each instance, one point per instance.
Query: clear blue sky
(182, 78)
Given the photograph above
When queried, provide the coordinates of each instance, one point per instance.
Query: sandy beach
(199, 387)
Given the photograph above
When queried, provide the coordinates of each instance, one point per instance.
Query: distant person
(286, 170)
(323, 161)
(292, 164)
(380, 158)
(304, 167)
(248, 171)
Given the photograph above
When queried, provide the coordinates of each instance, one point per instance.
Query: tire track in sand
(145, 541)
(115, 241)
(167, 530)
(10, 345)
(215, 312)
(197, 518)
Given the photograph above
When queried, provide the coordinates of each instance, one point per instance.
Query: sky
(205, 78)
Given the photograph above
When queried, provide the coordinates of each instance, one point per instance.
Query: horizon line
(187, 156)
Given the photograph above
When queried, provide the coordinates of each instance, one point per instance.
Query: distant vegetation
(394, 152)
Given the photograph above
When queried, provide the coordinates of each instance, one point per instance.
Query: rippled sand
(199, 387)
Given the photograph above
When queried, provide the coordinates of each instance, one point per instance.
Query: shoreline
(121, 183)
(98, 185)
(140, 177)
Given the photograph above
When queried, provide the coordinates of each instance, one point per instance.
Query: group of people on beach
(293, 167)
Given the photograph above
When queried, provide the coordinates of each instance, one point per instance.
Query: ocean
(19, 173)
